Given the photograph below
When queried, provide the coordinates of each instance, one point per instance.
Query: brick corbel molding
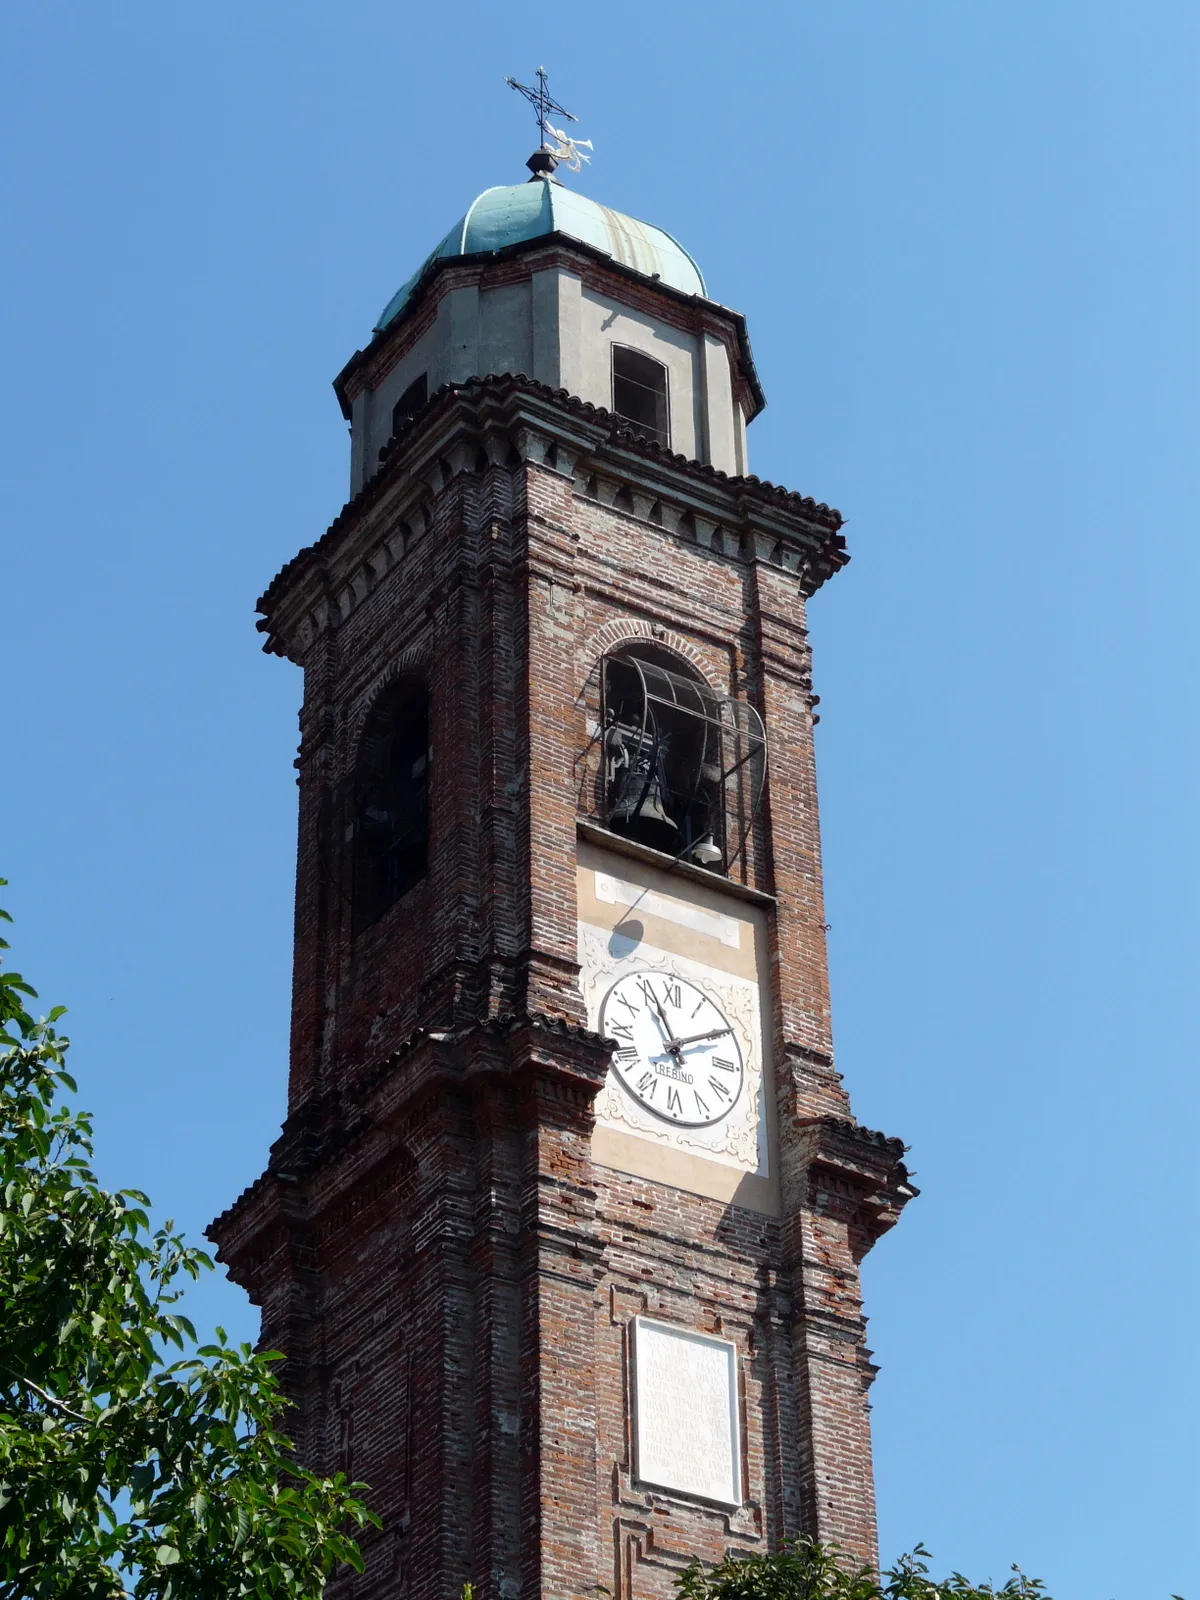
(855, 1173)
(467, 428)
(559, 1058)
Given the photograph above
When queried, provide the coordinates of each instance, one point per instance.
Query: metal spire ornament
(563, 148)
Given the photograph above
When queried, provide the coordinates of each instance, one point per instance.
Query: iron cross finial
(554, 141)
(541, 101)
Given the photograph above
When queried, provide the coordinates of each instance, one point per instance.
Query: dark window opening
(410, 402)
(639, 387)
(662, 757)
(391, 802)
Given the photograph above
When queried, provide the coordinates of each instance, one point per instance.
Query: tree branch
(51, 1400)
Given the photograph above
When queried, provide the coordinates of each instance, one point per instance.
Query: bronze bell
(639, 812)
(637, 795)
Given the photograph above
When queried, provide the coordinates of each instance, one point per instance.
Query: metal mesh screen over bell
(682, 766)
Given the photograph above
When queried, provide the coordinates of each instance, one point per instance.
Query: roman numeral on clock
(674, 1099)
(725, 1066)
(718, 1088)
(647, 1084)
(673, 996)
(627, 1053)
(620, 1030)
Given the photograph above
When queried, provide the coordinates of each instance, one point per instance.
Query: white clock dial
(675, 1054)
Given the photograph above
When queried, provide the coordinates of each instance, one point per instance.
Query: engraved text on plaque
(687, 1434)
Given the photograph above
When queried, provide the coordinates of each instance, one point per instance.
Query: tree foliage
(133, 1462)
(808, 1570)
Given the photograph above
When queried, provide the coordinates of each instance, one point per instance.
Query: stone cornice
(319, 1154)
(685, 870)
(484, 422)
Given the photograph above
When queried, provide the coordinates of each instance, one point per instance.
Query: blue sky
(966, 241)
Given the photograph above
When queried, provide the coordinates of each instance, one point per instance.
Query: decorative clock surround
(733, 1136)
(638, 922)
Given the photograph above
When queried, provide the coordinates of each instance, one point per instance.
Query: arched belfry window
(391, 801)
(639, 393)
(679, 767)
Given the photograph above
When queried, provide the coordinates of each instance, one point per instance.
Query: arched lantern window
(640, 393)
(680, 767)
(410, 402)
(390, 803)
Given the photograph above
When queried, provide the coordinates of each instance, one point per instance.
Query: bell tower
(561, 1235)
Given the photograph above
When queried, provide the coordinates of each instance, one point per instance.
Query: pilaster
(556, 319)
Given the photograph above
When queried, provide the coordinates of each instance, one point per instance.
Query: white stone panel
(687, 1427)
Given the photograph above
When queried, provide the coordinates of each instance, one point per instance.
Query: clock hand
(695, 1038)
(671, 1044)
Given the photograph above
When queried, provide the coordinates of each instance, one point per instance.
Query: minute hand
(670, 1043)
(696, 1038)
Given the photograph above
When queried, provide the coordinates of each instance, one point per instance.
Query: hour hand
(696, 1038)
(671, 1044)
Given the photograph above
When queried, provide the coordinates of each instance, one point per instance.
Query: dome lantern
(538, 279)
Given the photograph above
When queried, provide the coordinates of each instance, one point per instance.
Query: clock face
(676, 1054)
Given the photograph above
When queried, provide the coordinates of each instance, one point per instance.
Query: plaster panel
(360, 431)
(556, 329)
(634, 916)
(739, 440)
(506, 329)
(458, 335)
(718, 405)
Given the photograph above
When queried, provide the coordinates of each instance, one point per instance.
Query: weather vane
(564, 148)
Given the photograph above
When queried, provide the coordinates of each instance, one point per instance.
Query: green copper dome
(517, 212)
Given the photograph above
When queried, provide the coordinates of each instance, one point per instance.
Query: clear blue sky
(965, 237)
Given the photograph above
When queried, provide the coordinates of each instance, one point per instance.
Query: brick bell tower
(561, 1235)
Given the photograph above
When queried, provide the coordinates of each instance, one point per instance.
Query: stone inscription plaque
(687, 1432)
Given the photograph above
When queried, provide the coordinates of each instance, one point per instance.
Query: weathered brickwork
(451, 1277)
